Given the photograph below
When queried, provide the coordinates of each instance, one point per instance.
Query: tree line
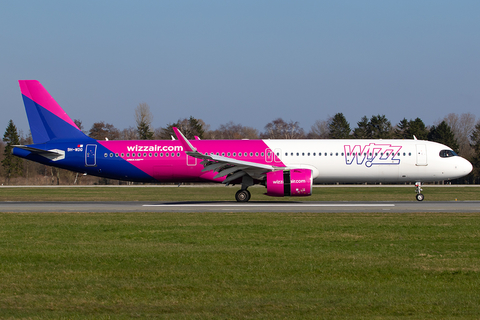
(459, 132)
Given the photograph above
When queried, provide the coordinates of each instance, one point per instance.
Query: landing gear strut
(243, 195)
(418, 190)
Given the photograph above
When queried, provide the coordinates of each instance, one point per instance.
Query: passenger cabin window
(447, 153)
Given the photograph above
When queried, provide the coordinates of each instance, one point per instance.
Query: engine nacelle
(289, 183)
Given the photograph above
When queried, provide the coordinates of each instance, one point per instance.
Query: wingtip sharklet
(187, 146)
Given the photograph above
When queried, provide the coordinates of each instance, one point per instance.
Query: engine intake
(289, 183)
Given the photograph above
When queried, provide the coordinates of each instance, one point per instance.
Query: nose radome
(468, 166)
(465, 166)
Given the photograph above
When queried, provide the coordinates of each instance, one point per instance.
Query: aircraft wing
(225, 166)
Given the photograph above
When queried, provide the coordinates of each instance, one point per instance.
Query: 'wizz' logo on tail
(372, 154)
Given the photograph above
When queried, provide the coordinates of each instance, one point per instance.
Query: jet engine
(289, 183)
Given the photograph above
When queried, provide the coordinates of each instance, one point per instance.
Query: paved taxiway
(219, 206)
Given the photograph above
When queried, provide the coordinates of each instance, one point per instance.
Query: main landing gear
(418, 190)
(243, 195)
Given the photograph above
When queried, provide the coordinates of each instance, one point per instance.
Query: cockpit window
(447, 153)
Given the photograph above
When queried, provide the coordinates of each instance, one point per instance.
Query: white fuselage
(356, 161)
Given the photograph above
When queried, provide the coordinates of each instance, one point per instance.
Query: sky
(249, 62)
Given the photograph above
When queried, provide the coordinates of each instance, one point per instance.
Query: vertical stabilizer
(46, 118)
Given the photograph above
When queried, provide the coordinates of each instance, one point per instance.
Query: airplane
(284, 167)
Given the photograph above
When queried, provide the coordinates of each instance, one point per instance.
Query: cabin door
(91, 155)
(421, 155)
(191, 161)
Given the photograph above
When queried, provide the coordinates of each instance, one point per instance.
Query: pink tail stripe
(34, 90)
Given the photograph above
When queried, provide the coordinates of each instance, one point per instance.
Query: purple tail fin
(47, 119)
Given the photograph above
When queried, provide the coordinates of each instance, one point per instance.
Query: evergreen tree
(418, 129)
(189, 127)
(12, 165)
(144, 131)
(380, 127)
(339, 127)
(362, 130)
(407, 129)
(443, 134)
(401, 130)
(196, 127)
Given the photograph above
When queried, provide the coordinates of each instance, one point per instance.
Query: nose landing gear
(418, 190)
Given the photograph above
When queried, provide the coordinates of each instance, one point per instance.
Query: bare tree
(279, 129)
(101, 130)
(231, 130)
(462, 127)
(475, 138)
(143, 118)
(129, 133)
(79, 124)
(319, 130)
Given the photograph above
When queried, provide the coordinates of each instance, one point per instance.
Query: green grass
(235, 265)
(220, 193)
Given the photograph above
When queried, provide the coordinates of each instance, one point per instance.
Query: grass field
(221, 193)
(237, 265)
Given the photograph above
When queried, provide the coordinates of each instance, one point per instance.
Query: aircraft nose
(465, 166)
(469, 167)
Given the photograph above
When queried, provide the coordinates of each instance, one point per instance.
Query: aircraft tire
(242, 195)
(419, 197)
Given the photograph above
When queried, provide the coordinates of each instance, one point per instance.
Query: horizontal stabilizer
(53, 154)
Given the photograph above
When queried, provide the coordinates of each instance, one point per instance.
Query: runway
(225, 206)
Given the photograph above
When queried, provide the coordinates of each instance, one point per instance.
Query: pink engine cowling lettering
(301, 182)
(275, 184)
(294, 183)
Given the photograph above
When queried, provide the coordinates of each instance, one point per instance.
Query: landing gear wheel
(242, 195)
(419, 197)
